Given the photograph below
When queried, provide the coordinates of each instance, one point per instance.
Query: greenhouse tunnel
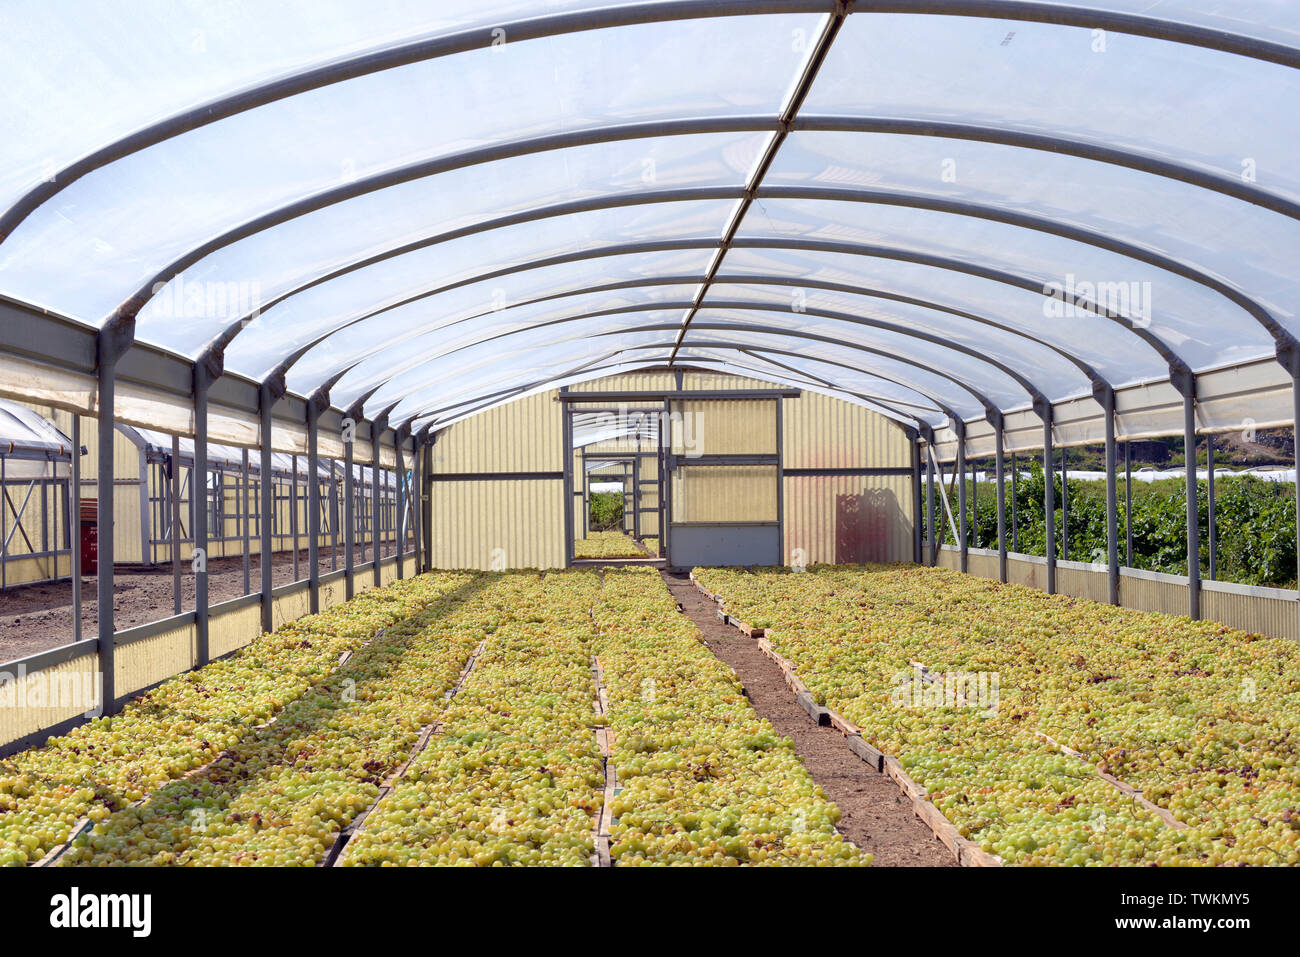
(857, 245)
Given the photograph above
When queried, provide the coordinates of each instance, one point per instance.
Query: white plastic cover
(429, 209)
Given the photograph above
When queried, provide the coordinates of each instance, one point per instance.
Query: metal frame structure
(957, 378)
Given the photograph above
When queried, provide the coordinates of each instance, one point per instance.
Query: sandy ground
(39, 616)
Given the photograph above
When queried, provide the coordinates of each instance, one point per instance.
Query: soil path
(876, 816)
(38, 616)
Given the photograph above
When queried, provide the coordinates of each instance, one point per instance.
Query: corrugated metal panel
(501, 524)
(233, 629)
(724, 493)
(1146, 594)
(63, 692)
(151, 660)
(723, 380)
(848, 519)
(1265, 611)
(822, 432)
(1089, 583)
(985, 566)
(287, 608)
(628, 382)
(1272, 616)
(724, 427)
(520, 436)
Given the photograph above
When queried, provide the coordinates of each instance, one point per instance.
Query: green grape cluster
(185, 723)
(614, 544)
(1196, 716)
(513, 776)
(705, 780)
(281, 795)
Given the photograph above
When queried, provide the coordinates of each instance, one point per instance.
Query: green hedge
(1255, 521)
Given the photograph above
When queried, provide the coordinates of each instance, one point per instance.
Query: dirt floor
(876, 816)
(39, 616)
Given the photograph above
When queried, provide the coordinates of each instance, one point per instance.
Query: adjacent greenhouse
(387, 296)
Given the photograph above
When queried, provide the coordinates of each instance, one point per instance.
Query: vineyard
(1050, 730)
(458, 719)
(1254, 524)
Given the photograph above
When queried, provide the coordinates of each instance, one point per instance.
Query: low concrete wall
(1274, 612)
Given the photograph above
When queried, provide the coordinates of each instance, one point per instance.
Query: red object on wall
(89, 537)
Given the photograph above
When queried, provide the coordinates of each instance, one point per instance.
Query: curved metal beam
(387, 58)
(420, 169)
(984, 401)
(1077, 234)
(879, 197)
(128, 310)
(1161, 348)
(1136, 24)
(1173, 361)
(1049, 143)
(480, 403)
(403, 54)
(1093, 376)
(1035, 395)
(828, 384)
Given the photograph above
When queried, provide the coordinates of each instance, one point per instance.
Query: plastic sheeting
(31, 445)
(931, 210)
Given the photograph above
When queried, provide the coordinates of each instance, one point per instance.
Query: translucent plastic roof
(939, 210)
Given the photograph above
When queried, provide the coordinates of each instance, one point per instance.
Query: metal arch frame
(891, 403)
(1094, 378)
(979, 397)
(614, 133)
(480, 403)
(386, 58)
(942, 262)
(1031, 141)
(1035, 395)
(420, 169)
(405, 53)
(765, 350)
(930, 260)
(883, 197)
(1039, 224)
(989, 406)
(1236, 188)
(870, 196)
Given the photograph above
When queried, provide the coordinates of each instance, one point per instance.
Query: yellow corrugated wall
(839, 519)
(498, 524)
(821, 432)
(73, 683)
(835, 518)
(520, 436)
